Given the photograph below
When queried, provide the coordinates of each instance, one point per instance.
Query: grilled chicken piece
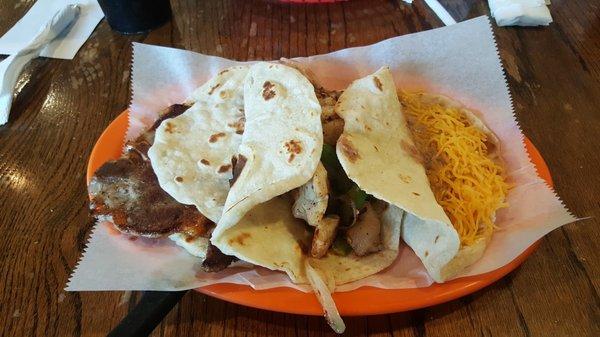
(310, 205)
(312, 197)
(365, 236)
(333, 125)
(324, 235)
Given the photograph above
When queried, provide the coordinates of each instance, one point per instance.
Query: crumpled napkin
(520, 12)
(66, 45)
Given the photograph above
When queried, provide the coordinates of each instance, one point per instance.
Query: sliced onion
(324, 296)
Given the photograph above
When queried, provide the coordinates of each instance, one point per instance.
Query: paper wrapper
(460, 61)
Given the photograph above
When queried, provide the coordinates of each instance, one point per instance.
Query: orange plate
(362, 301)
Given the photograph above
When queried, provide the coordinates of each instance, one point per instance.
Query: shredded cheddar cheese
(468, 184)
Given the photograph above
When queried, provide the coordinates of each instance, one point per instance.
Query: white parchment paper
(460, 61)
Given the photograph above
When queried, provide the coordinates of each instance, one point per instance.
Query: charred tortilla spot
(293, 148)
(238, 125)
(179, 179)
(268, 91)
(204, 162)
(426, 253)
(210, 92)
(412, 151)
(215, 137)
(378, 83)
(224, 168)
(237, 162)
(348, 149)
(405, 178)
(240, 238)
(417, 194)
(376, 148)
(223, 71)
(223, 94)
(170, 128)
(436, 239)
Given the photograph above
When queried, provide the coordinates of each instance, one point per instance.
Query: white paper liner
(460, 61)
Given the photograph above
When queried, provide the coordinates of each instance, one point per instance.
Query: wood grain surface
(62, 106)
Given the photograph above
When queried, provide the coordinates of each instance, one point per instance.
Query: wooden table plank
(63, 106)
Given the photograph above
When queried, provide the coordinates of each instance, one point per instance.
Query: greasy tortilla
(378, 154)
(191, 154)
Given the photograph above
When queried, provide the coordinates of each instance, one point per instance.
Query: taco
(461, 156)
(191, 153)
(172, 179)
(291, 206)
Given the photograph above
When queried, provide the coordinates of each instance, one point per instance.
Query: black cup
(135, 16)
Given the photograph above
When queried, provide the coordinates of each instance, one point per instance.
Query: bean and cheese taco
(465, 171)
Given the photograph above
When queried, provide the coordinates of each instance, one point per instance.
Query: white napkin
(11, 67)
(520, 12)
(66, 45)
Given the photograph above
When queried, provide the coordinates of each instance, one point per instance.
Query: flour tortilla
(378, 154)
(191, 154)
(257, 225)
(282, 146)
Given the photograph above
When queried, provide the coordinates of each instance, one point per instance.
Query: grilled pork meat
(365, 236)
(215, 260)
(126, 192)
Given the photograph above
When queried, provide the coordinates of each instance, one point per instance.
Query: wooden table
(63, 106)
